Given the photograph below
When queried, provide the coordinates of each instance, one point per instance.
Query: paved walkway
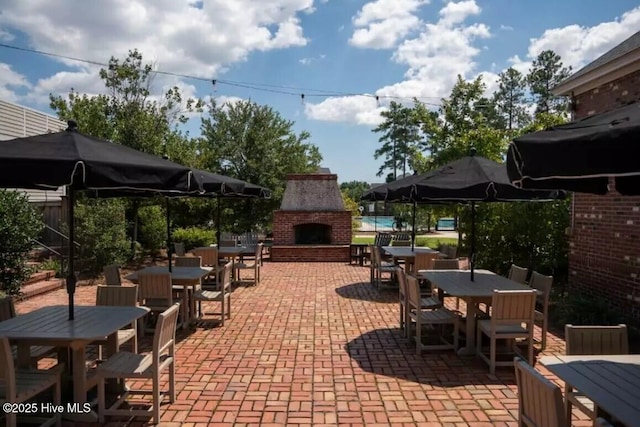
(315, 344)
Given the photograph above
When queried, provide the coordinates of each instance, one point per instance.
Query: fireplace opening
(312, 234)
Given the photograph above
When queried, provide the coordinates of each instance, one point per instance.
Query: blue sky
(395, 49)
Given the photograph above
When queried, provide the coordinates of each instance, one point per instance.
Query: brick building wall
(604, 257)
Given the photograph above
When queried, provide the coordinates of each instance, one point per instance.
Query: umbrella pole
(472, 258)
(169, 243)
(218, 221)
(71, 277)
(413, 227)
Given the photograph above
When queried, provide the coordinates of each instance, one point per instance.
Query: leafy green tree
(128, 114)
(400, 137)
(254, 143)
(546, 72)
(510, 99)
(354, 189)
(20, 224)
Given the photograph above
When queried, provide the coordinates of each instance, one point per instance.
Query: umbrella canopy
(83, 162)
(469, 179)
(581, 155)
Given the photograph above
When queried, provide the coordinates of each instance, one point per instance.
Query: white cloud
(577, 45)
(9, 81)
(506, 27)
(381, 23)
(195, 38)
(310, 60)
(456, 13)
(359, 109)
(433, 59)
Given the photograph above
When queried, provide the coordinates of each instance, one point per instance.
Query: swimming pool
(377, 223)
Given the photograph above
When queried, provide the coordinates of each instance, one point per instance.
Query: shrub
(194, 237)
(153, 228)
(51, 264)
(101, 233)
(20, 223)
(581, 309)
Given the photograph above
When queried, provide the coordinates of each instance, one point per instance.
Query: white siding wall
(16, 122)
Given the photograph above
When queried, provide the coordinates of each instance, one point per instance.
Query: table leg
(470, 347)
(185, 306)
(79, 374)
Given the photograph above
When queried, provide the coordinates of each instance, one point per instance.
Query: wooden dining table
(186, 278)
(457, 283)
(50, 326)
(611, 381)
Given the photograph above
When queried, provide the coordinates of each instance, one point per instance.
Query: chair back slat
(402, 283)
(117, 295)
(188, 261)
(155, 286)
(7, 308)
(446, 264)
(7, 370)
(165, 332)
(413, 291)
(178, 248)
(225, 283)
(542, 284)
(375, 256)
(596, 340)
(513, 307)
(382, 239)
(259, 251)
(518, 274)
(424, 260)
(540, 401)
(208, 255)
(112, 275)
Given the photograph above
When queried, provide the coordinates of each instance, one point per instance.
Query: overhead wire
(301, 92)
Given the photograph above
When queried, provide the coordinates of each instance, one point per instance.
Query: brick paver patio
(316, 344)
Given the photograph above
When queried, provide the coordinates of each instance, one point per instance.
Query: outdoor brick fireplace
(312, 223)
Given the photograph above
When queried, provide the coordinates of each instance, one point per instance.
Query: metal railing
(48, 227)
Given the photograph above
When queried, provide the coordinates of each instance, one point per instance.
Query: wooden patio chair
(178, 248)
(423, 261)
(211, 259)
(429, 318)
(592, 340)
(119, 296)
(543, 285)
(112, 275)
(20, 385)
(518, 274)
(37, 352)
(155, 291)
(188, 261)
(222, 295)
(446, 264)
(403, 299)
(380, 267)
(539, 400)
(509, 311)
(125, 365)
(253, 264)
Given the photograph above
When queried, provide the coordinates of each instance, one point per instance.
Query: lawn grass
(432, 242)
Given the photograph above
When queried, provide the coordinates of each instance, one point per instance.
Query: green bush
(20, 223)
(51, 264)
(581, 309)
(194, 237)
(153, 228)
(101, 232)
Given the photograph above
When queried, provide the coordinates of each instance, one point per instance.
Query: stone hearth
(312, 223)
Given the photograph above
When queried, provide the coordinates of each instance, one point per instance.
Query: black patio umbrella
(469, 179)
(581, 155)
(82, 162)
(213, 185)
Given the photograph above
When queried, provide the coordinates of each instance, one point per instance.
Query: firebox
(312, 234)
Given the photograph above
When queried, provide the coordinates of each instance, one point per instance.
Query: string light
(262, 87)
